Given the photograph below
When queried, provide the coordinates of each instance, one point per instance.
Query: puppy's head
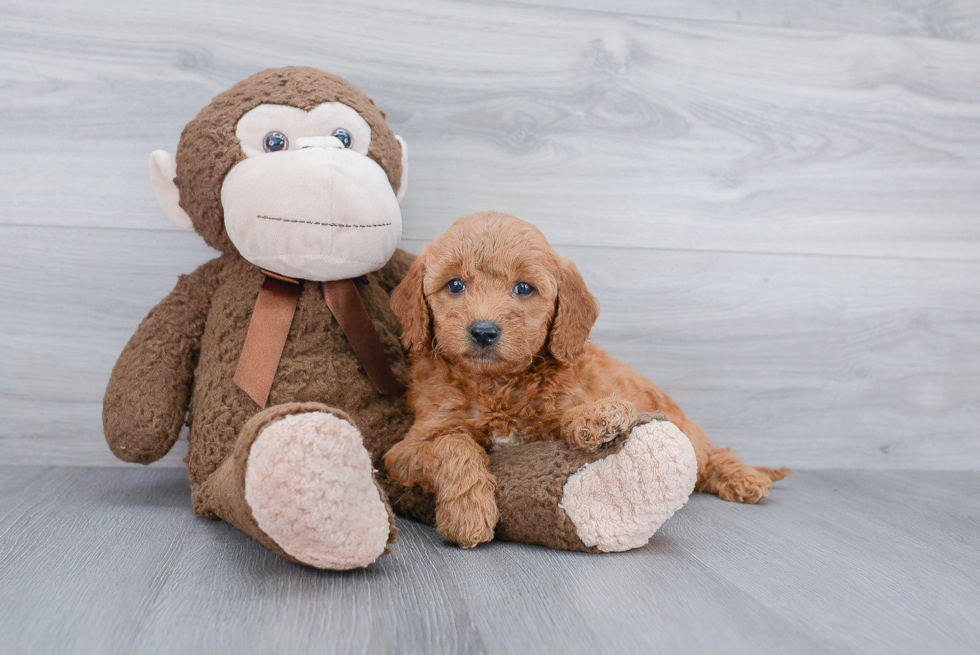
(491, 294)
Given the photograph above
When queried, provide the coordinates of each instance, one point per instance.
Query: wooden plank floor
(99, 560)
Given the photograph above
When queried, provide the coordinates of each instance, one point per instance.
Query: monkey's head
(294, 169)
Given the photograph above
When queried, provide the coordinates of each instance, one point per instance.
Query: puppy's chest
(509, 419)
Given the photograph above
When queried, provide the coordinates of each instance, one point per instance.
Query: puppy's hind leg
(723, 474)
(731, 479)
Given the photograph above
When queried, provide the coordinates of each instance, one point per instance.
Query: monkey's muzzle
(312, 213)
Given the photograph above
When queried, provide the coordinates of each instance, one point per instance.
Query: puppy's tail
(774, 474)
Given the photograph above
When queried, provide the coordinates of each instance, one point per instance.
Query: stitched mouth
(290, 220)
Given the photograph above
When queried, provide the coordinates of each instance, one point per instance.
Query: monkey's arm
(149, 390)
(396, 268)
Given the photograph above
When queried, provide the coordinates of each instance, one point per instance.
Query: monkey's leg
(609, 500)
(301, 482)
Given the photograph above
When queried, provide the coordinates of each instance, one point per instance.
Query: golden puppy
(497, 323)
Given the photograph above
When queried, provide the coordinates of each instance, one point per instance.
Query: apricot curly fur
(540, 380)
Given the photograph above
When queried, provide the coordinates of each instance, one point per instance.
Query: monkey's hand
(149, 390)
(590, 425)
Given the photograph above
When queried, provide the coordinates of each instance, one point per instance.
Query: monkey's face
(295, 170)
(307, 201)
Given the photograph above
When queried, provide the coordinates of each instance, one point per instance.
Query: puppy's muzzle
(484, 333)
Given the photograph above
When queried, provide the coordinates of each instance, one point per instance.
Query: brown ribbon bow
(269, 328)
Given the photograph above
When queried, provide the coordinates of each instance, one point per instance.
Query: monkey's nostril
(484, 333)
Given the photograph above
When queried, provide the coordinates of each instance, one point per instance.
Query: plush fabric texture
(310, 485)
(179, 366)
(189, 345)
(204, 156)
(618, 502)
(317, 364)
(146, 400)
(163, 170)
(224, 492)
(530, 480)
(315, 213)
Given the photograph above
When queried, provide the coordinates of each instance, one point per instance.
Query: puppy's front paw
(469, 519)
(591, 425)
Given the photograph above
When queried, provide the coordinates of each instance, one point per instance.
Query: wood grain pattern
(780, 222)
(609, 129)
(110, 560)
(957, 20)
(801, 361)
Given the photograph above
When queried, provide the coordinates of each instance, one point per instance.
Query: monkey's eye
(343, 136)
(523, 289)
(275, 141)
(456, 286)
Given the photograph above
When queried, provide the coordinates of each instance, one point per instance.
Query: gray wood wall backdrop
(775, 202)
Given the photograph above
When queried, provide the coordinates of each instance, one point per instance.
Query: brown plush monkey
(283, 355)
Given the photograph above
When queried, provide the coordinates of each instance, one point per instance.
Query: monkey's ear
(403, 183)
(575, 314)
(408, 303)
(163, 170)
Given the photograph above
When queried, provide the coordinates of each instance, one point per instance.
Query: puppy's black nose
(484, 333)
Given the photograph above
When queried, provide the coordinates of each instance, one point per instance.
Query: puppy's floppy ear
(408, 303)
(575, 314)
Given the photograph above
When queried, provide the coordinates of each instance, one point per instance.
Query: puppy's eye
(456, 286)
(523, 289)
(343, 136)
(275, 141)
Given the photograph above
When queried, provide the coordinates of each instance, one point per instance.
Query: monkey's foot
(310, 486)
(618, 502)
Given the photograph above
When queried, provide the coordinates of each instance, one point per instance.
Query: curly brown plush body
(180, 364)
(189, 346)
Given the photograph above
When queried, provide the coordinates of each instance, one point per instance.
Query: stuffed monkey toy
(282, 355)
